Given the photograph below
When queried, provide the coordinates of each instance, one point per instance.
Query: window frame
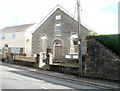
(3, 37)
(43, 40)
(73, 42)
(13, 35)
(58, 29)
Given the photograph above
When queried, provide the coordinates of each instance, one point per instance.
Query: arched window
(58, 29)
(43, 43)
(73, 43)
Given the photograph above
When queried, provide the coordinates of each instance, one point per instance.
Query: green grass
(111, 41)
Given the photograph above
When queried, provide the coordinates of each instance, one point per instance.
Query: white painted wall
(28, 44)
(17, 42)
(20, 40)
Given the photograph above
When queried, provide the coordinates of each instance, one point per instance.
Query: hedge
(111, 41)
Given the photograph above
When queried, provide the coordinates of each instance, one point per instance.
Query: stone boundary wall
(101, 62)
(65, 69)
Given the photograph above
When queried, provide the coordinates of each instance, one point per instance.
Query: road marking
(44, 88)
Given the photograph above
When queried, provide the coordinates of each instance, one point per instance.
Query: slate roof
(18, 28)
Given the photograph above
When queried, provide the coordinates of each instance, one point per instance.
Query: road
(13, 78)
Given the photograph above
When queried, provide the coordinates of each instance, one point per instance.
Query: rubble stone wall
(101, 62)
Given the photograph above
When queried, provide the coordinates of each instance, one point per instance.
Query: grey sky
(100, 15)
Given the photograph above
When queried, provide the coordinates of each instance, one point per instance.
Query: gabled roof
(18, 28)
(57, 7)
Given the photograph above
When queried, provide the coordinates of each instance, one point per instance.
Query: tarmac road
(13, 78)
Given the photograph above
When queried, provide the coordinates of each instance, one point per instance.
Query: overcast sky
(100, 15)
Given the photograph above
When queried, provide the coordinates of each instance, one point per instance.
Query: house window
(3, 36)
(58, 29)
(17, 50)
(0, 37)
(13, 35)
(74, 43)
(43, 43)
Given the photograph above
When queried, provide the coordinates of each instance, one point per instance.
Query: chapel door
(58, 50)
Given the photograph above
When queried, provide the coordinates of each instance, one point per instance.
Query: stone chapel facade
(58, 33)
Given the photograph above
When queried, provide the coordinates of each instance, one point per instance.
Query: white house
(15, 37)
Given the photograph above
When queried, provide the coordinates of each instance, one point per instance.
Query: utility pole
(80, 41)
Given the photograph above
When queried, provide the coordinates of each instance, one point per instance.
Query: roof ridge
(17, 28)
(19, 25)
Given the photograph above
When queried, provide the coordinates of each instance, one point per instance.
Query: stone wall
(101, 62)
(65, 69)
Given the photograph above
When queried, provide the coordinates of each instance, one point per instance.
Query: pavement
(107, 84)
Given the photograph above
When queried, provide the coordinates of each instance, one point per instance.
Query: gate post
(41, 63)
(50, 58)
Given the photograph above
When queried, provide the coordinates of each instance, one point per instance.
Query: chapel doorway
(58, 50)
